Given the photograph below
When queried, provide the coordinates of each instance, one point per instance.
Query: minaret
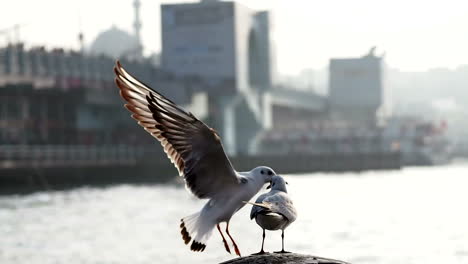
(81, 41)
(137, 27)
(80, 34)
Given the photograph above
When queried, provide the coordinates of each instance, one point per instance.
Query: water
(418, 215)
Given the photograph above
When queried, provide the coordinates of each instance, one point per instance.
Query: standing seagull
(197, 153)
(274, 210)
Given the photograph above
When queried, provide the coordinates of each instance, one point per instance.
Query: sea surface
(412, 216)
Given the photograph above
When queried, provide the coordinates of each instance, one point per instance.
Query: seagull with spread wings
(197, 153)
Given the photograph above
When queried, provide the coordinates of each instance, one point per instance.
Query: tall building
(228, 46)
(357, 88)
(221, 41)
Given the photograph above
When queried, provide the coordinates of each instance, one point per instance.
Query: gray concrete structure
(357, 88)
(225, 42)
(228, 45)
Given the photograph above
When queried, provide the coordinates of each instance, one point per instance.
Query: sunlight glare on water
(413, 216)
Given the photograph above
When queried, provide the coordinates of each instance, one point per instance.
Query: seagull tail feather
(194, 230)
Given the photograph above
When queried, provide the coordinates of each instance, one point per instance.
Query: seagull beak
(269, 186)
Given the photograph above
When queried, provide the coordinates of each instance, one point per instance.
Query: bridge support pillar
(236, 120)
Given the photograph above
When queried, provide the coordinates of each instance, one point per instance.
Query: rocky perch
(287, 258)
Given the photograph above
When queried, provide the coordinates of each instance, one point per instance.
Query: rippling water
(417, 215)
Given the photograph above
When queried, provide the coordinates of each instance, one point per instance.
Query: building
(37, 116)
(217, 62)
(66, 97)
(227, 46)
(115, 43)
(357, 89)
(224, 42)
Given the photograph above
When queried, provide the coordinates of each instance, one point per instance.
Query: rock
(287, 258)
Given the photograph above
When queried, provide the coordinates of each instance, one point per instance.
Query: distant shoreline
(43, 178)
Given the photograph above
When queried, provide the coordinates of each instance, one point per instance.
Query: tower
(81, 41)
(227, 46)
(219, 41)
(137, 28)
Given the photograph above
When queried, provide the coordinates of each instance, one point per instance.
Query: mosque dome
(115, 43)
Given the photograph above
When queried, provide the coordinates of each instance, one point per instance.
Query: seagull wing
(194, 148)
(281, 203)
(257, 209)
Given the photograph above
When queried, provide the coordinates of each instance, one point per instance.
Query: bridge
(241, 60)
(235, 70)
(240, 118)
(25, 168)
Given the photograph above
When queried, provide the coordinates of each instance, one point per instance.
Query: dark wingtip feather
(197, 246)
(185, 234)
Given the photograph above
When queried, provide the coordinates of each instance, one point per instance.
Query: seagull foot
(282, 252)
(259, 253)
(237, 250)
(226, 247)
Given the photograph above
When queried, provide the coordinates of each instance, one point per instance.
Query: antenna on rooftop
(14, 30)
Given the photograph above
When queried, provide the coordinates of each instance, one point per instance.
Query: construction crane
(16, 32)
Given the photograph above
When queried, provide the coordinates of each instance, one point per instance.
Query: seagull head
(278, 183)
(263, 173)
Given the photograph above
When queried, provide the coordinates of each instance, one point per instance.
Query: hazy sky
(415, 34)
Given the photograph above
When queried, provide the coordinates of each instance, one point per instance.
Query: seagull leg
(224, 240)
(236, 249)
(263, 241)
(282, 244)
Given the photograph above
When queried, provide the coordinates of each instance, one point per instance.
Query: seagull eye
(262, 172)
(270, 173)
